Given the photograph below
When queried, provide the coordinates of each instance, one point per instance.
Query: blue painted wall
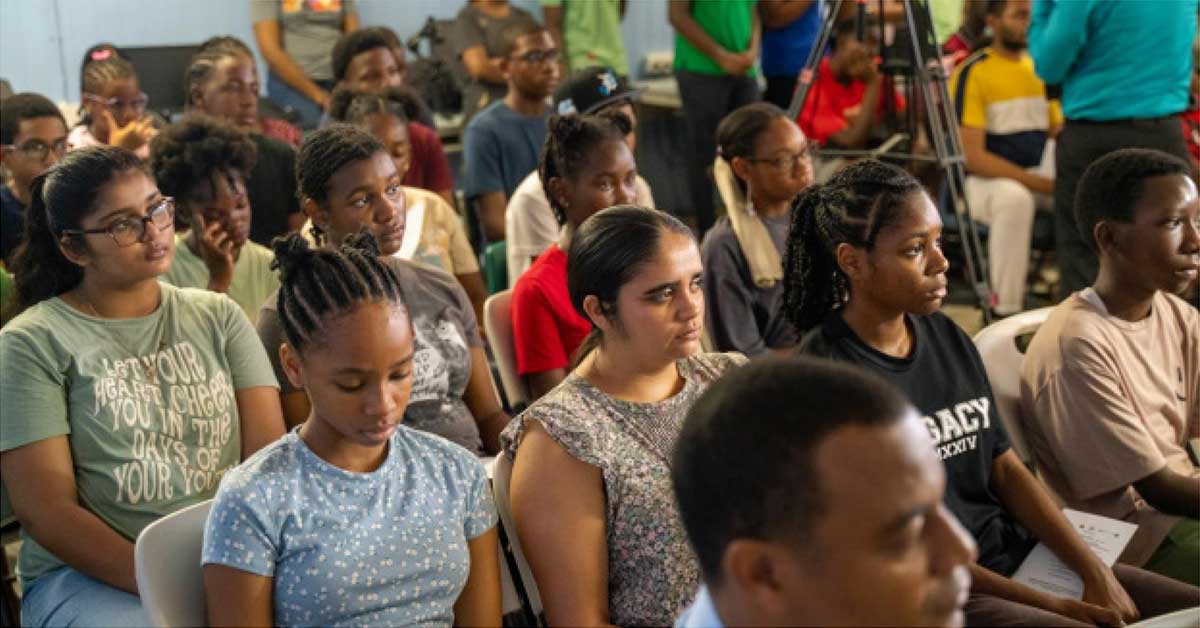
(42, 41)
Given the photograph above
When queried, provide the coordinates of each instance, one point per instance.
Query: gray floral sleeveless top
(652, 572)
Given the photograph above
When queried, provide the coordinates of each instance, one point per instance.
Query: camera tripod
(914, 54)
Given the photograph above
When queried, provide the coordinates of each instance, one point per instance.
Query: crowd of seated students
(221, 308)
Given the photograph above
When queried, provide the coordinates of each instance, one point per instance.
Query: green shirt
(591, 32)
(8, 295)
(147, 404)
(727, 22)
(253, 280)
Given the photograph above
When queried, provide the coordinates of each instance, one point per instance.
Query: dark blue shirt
(500, 149)
(784, 50)
(12, 224)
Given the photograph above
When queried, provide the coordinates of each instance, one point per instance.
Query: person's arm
(267, 35)
(679, 13)
(472, 284)
(216, 251)
(552, 15)
(982, 162)
(855, 134)
(988, 582)
(751, 50)
(559, 507)
(479, 602)
(543, 382)
(780, 13)
(481, 399)
(261, 417)
(483, 68)
(1057, 35)
(350, 22)
(40, 480)
(1171, 492)
(1030, 504)
(237, 598)
(491, 214)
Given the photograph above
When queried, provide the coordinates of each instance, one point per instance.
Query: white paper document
(1043, 570)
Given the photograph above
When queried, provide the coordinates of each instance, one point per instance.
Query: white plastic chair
(524, 576)
(167, 561)
(997, 344)
(497, 322)
(1186, 618)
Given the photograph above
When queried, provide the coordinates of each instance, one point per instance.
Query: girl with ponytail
(591, 487)
(124, 399)
(351, 517)
(585, 167)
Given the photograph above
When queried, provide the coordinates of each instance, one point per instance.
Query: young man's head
(813, 496)
(33, 137)
(1009, 21)
(366, 60)
(851, 54)
(1139, 210)
(529, 58)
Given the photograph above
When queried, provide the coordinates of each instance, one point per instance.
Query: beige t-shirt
(1107, 402)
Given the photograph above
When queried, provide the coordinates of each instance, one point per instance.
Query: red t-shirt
(830, 103)
(1191, 131)
(428, 169)
(546, 327)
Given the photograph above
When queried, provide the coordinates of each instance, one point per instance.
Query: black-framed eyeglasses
(549, 55)
(138, 104)
(37, 149)
(787, 163)
(130, 231)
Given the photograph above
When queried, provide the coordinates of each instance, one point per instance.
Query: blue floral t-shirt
(385, 548)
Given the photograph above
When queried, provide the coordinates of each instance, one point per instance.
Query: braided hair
(99, 71)
(852, 208)
(317, 285)
(202, 64)
(354, 106)
(571, 140)
(322, 154)
(189, 152)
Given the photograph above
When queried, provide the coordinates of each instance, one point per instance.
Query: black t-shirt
(944, 378)
(271, 189)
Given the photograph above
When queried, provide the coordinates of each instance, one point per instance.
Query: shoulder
(268, 465)
(259, 254)
(720, 238)
(198, 300)
(440, 453)
(429, 279)
(272, 148)
(709, 367)
(1176, 309)
(41, 320)
(531, 186)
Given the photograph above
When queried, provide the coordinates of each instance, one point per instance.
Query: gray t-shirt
(384, 548)
(742, 316)
(309, 29)
(445, 330)
(147, 404)
(476, 28)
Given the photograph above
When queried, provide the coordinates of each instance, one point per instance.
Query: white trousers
(1007, 208)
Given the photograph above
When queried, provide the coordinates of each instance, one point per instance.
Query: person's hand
(735, 64)
(1086, 613)
(321, 98)
(132, 136)
(1041, 185)
(1103, 589)
(216, 249)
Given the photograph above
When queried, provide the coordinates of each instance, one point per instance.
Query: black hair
(24, 106)
(1111, 187)
(739, 132)
(995, 8)
(318, 285)
(353, 44)
(323, 153)
(607, 251)
(571, 140)
(97, 74)
(355, 106)
(60, 199)
(515, 31)
(852, 208)
(778, 410)
(188, 153)
(204, 62)
(98, 52)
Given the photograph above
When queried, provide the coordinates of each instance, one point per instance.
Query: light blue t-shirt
(385, 548)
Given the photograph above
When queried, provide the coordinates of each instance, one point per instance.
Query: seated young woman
(203, 163)
(864, 281)
(763, 164)
(351, 517)
(591, 485)
(124, 399)
(434, 232)
(585, 166)
(112, 104)
(349, 183)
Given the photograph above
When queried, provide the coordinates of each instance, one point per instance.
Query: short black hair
(24, 106)
(743, 466)
(355, 43)
(1111, 187)
(996, 7)
(188, 153)
(515, 31)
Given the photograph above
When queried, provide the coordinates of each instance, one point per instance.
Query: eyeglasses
(37, 149)
(549, 55)
(787, 163)
(130, 231)
(138, 104)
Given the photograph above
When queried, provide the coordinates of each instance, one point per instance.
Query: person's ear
(317, 214)
(505, 66)
(597, 313)
(289, 359)
(752, 567)
(557, 189)
(741, 167)
(852, 260)
(74, 249)
(1107, 236)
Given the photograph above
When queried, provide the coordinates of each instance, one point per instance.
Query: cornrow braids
(202, 64)
(97, 74)
(571, 140)
(852, 208)
(322, 154)
(355, 107)
(318, 285)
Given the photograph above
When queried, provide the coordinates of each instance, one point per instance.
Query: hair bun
(363, 242)
(291, 251)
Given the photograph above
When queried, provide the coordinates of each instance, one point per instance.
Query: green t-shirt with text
(147, 404)
(253, 280)
(727, 22)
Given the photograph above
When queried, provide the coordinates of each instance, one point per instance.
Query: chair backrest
(167, 561)
(502, 476)
(997, 344)
(497, 322)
